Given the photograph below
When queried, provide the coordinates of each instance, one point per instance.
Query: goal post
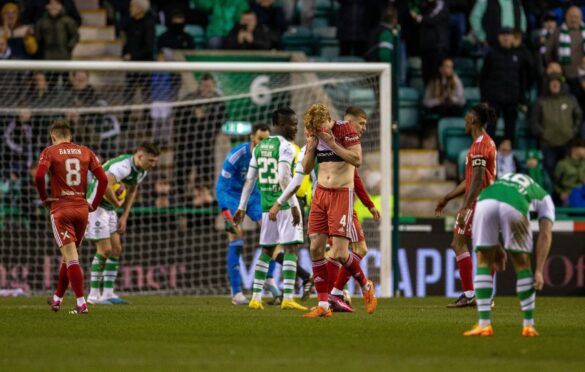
(167, 248)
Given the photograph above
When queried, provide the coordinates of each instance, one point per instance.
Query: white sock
(94, 292)
(257, 296)
(336, 292)
(484, 323)
(80, 301)
(108, 292)
(324, 304)
(57, 298)
(528, 322)
(469, 294)
(287, 296)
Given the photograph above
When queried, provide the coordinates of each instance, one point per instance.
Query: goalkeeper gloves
(228, 222)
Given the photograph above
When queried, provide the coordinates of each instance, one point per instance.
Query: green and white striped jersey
(521, 192)
(265, 159)
(123, 169)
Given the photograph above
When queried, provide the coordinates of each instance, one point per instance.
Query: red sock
(75, 277)
(333, 267)
(320, 279)
(352, 265)
(465, 266)
(63, 281)
(344, 275)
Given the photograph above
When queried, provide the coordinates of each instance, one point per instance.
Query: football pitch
(210, 334)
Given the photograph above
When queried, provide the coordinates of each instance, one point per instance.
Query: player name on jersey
(69, 152)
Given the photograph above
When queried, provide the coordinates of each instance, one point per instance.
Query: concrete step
(425, 207)
(411, 173)
(93, 33)
(425, 189)
(87, 4)
(85, 49)
(95, 17)
(419, 157)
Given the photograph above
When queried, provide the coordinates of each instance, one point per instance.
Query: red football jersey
(345, 135)
(481, 153)
(68, 166)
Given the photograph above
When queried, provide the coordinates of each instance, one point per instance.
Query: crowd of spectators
(530, 59)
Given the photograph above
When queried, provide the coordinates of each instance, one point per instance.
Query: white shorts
(491, 218)
(102, 224)
(282, 231)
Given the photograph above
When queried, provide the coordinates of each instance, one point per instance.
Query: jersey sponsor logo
(327, 156)
(352, 138)
(69, 152)
(225, 174)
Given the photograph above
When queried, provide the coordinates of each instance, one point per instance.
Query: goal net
(195, 112)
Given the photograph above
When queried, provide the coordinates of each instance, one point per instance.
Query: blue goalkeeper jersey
(233, 176)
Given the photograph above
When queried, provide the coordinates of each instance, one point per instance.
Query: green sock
(260, 276)
(97, 272)
(484, 286)
(526, 294)
(112, 266)
(289, 274)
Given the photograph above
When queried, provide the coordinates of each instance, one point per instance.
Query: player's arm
(352, 154)
(131, 192)
(110, 194)
(40, 183)
(310, 153)
(456, 192)
(102, 186)
(362, 194)
(246, 192)
(477, 175)
(546, 214)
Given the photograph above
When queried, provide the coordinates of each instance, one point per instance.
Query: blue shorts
(232, 202)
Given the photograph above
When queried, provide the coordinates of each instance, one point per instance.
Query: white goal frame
(383, 70)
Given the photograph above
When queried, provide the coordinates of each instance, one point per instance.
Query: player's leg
(235, 247)
(270, 285)
(268, 241)
(461, 246)
(290, 237)
(69, 253)
(486, 228)
(111, 271)
(302, 274)
(99, 231)
(333, 266)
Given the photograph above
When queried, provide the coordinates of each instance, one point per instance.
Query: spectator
(83, 94)
(458, 14)
(535, 170)
(11, 80)
(549, 26)
(307, 11)
(162, 193)
(555, 121)
(570, 171)
(434, 35)
(489, 17)
(248, 34)
(506, 161)
(33, 10)
(272, 17)
(224, 15)
(164, 89)
(21, 39)
(383, 37)
(176, 37)
(504, 81)
(31, 206)
(577, 196)
(567, 47)
(56, 32)
(444, 93)
(202, 123)
(18, 137)
(353, 26)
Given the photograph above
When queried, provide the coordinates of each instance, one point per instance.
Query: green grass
(203, 333)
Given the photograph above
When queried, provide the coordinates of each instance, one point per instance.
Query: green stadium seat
(326, 39)
(409, 108)
(298, 39)
(364, 98)
(319, 22)
(472, 96)
(418, 84)
(159, 30)
(456, 140)
(524, 139)
(198, 35)
(466, 70)
(445, 124)
(520, 156)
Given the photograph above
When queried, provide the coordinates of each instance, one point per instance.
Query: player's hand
(228, 222)
(273, 213)
(122, 225)
(538, 280)
(47, 202)
(440, 206)
(461, 217)
(296, 215)
(375, 214)
(501, 258)
(239, 216)
(327, 137)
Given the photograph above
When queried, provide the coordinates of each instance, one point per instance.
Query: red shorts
(332, 212)
(466, 230)
(69, 223)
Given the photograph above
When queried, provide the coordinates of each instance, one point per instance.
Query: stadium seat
(456, 141)
(466, 70)
(524, 139)
(364, 98)
(198, 35)
(160, 29)
(461, 164)
(409, 108)
(298, 39)
(326, 39)
(444, 125)
(520, 156)
(472, 96)
(418, 84)
(319, 22)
